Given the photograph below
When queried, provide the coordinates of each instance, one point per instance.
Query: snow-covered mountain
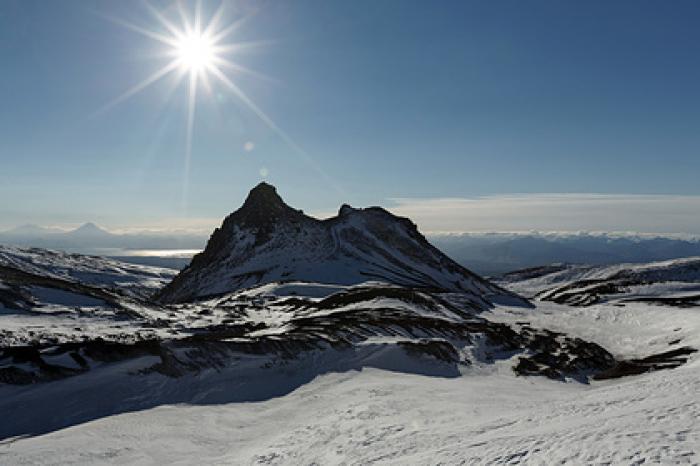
(266, 241)
(674, 282)
(90, 231)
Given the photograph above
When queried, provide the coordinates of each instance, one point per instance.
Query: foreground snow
(486, 415)
(378, 416)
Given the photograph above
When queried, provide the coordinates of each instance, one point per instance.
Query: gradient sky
(389, 99)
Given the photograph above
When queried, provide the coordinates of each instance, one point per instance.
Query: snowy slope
(378, 416)
(267, 241)
(674, 282)
(54, 297)
(90, 270)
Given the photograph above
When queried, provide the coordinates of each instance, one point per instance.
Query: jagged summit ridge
(266, 241)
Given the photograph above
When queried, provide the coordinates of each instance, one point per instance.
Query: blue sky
(390, 99)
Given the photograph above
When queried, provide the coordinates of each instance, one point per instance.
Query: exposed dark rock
(666, 360)
(585, 292)
(16, 376)
(675, 301)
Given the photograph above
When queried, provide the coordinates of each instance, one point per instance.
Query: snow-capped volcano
(266, 241)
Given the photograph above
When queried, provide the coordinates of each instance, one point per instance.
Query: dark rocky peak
(264, 206)
(262, 212)
(263, 196)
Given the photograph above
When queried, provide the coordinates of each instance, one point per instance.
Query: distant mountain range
(90, 238)
(497, 253)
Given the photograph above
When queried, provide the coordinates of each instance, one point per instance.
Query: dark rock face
(666, 360)
(266, 241)
(681, 301)
(556, 355)
(262, 210)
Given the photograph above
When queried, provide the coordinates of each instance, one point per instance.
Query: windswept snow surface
(486, 415)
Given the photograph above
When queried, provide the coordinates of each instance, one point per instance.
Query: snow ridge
(674, 281)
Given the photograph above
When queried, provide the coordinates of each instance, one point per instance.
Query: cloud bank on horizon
(664, 215)
(634, 213)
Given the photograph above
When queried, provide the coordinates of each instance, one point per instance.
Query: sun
(195, 52)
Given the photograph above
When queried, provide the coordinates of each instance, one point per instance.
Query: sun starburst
(197, 51)
(200, 52)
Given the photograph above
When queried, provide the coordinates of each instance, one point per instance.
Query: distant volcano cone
(89, 229)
